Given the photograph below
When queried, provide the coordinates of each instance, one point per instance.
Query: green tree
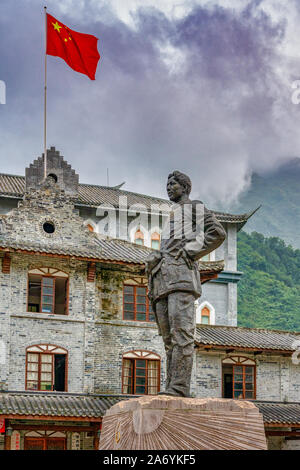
(269, 291)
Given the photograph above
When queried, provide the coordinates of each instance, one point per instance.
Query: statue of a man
(174, 279)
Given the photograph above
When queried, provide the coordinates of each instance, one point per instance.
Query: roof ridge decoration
(57, 167)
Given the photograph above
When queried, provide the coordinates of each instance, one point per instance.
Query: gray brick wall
(277, 378)
(5, 291)
(20, 329)
(208, 375)
(218, 295)
(115, 336)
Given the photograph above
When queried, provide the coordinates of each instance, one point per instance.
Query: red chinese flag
(77, 49)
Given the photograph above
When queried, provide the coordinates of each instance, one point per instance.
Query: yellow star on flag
(56, 26)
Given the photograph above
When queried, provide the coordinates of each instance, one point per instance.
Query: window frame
(207, 316)
(48, 349)
(134, 356)
(148, 304)
(140, 236)
(240, 361)
(44, 440)
(155, 237)
(53, 294)
(53, 276)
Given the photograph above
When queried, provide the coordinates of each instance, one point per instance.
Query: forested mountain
(269, 291)
(279, 194)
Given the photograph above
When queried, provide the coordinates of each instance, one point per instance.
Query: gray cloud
(224, 111)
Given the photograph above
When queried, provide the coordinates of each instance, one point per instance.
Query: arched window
(47, 291)
(205, 314)
(155, 241)
(141, 373)
(139, 237)
(46, 368)
(239, 377)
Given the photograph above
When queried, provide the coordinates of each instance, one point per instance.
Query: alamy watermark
(2, 92)
(178, 221)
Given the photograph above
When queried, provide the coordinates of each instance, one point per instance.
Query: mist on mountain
(278, 193)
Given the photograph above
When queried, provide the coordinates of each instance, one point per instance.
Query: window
(49, 227)
(53, 176)
(155, 241)
(205, 313)
(46, 367)
(136, 304)
(45, 440)
(47, 291)
(239, 378)
(139, 237)
(141, 373)
(205, 316)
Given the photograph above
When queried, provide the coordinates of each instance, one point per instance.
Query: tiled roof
(113, 249)
(12, 185)
(88, 194)
(246, 338)
(56, 404)
(94, 406)
(211, 266)
(239, 219)
(279, 413)
(103, 249)
(93, 195)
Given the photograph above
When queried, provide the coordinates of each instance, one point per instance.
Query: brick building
(77, 332)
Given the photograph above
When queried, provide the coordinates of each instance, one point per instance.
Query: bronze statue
(174, 279)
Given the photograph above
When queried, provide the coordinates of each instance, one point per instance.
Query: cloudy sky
(200, 86)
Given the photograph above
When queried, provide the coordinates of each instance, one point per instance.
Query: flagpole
(45, 99)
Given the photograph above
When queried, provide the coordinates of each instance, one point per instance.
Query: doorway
(45, 443)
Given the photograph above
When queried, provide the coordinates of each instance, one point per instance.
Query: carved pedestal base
(171, 423)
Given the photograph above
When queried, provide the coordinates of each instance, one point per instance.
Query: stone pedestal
(173, 423)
